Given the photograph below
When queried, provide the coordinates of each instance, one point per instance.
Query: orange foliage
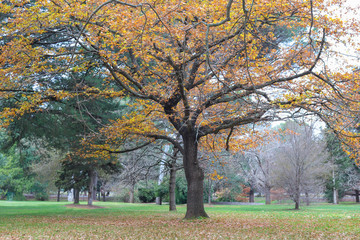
(202, 66)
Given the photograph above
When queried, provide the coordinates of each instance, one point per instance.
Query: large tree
(204, 67)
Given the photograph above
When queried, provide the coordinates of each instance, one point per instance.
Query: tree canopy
(201, 69)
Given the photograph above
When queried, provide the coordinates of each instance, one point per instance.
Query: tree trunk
(195, 178)
(335, 196)
(131, 194)
(335, 191)
(95, 185)
(210, 191)
(297, 201)
(76, 196)
(172, 186)
(357, 196)
(297, 205)
(267, 195)
(92, 176)
(251, 195)
(307, 199)
(58, 195)
(102, 193)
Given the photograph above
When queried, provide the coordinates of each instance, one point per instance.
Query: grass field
(52, 220)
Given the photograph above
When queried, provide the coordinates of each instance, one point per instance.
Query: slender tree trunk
(172, 186)
(209, 191)
(131, 193)
(357, 196)
(297, 188)
(335, 196)
(307, 199)
(267, 195)
(102, 193)
(95, 185)
(251, 195)
(58, 195)
(297, 201)
(335, 191)
(76, 196)
(195, 178)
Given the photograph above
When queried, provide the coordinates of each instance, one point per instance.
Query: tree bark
(357, 196)
(131, 194)
(335, 191)
(76, 196)
(251, 195)
(172, 186)
(194, 176)
(210, 192)
(95, 185)
(92, 176)
(335, 196)
(58, 195)
(297, 205)
(307, 199)
(267, 195)
(297, 201)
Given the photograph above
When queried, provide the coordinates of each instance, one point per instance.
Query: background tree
(346, 176)
(301, 162)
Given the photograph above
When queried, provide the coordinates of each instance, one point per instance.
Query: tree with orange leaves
(201, 69)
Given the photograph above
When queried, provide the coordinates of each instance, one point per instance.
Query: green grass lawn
(52, 220)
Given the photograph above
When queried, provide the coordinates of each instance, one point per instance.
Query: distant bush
(146, 195)
(19, 197)
(40, 191)
(232, 195)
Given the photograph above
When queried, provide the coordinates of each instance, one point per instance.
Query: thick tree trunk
(357, 196)
(195, 178)
(297, 201)
(267, 195)
(297, 205)
(76, 196)
(92, 176)
(251, 195)
(172, 186)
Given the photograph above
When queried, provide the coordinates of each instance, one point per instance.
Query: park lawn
(52, 220)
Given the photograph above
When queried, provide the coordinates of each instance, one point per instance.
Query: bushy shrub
(146, 195)
(42, 196)
(234, 194)
(40, 191)
(19, 197)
